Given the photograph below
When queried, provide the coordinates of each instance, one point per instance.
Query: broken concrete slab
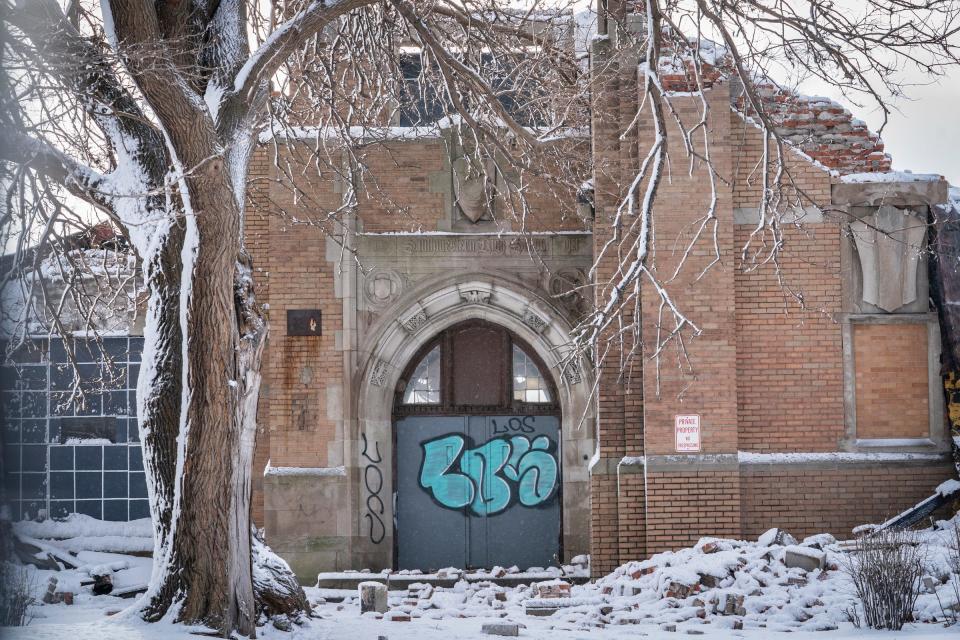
(805, 558)
(501, 629)
(373, 597)
(898, 193)
(776, 536)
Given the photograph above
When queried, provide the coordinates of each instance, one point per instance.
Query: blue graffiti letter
(483, 466)
(452, 490)
(537, 470)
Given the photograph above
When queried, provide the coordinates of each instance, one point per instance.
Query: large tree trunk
(202, 464)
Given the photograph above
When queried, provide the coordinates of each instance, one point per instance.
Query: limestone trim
(438, 304)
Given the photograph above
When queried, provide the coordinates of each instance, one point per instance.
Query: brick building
(803, 423)
(420, 409)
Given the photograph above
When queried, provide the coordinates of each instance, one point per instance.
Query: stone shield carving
(889, 243)
(567, 286)
(471, 189)
(382, 287)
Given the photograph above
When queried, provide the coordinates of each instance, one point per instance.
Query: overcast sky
(924, 136)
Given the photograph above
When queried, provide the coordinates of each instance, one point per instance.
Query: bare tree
(147, 114)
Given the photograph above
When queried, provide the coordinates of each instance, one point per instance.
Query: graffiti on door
(489, 478)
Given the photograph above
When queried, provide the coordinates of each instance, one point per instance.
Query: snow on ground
(711, 590)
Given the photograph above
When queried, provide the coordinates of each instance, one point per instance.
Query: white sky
(923, 136)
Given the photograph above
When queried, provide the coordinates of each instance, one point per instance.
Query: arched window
(529, 384)
(424, 384)
(476, 368)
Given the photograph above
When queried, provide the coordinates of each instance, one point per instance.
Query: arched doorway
(477, 453)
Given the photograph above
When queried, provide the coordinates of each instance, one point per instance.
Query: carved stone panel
(535, 319)
(472, 189)
(382, 287)
(378, 373)
(414, 320)
(889, 243)
(475, 295)
(566, 285)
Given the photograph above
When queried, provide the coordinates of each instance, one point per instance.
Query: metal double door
(477, 491)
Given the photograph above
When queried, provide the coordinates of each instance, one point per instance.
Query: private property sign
(687, 429)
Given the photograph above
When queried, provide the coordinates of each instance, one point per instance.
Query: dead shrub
(886, 568)
(16, 595)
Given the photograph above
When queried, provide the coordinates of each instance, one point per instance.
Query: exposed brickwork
(787, 355)
(708, 300)
(631, 512)
(822, 129)
(808, 501)
(890, 361)
(683, 507)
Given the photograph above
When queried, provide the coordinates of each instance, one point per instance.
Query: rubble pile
(775, 583)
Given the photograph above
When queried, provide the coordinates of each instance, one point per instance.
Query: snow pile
(79, 532)
(773, 584)
(80, 525)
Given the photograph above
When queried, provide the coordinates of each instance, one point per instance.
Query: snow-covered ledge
(895, 188)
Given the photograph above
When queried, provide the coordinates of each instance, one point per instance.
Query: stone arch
(414, 320)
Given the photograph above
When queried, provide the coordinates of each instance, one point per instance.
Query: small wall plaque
(303, 322)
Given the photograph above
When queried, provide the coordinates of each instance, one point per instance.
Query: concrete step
(396, 581)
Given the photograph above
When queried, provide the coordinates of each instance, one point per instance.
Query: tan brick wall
(892, 386)
(396, 195)
(706, 384)
(632, 516)
(683, 507)
(790, 358)
(832, 500)
(257, 239)
(604, 524)
(811, 181)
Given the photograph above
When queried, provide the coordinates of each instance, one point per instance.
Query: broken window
(529, 384)
(424, 384)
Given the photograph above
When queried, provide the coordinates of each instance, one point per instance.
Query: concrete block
(775, 536)
(373, 597)
(501, 629)
(541, 612)
(898, 194)
(805, 558)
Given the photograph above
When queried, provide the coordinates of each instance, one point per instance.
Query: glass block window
(529, 384)
(61, 454)
(424, 384)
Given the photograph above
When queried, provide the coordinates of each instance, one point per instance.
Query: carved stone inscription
(446, 245)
